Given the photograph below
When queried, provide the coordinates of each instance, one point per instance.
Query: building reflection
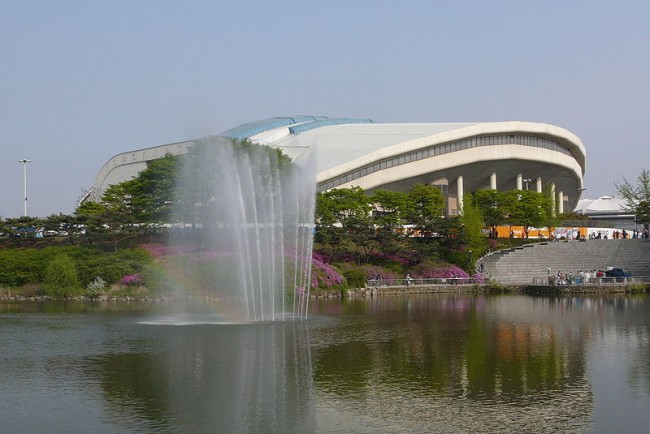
(468, 358)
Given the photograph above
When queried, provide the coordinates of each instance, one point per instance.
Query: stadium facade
(458, 157)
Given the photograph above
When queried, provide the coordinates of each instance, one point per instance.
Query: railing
(378, 283)
(545, 281)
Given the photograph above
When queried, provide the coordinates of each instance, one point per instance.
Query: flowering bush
(96, 287)
(131, 279)
(480, 279)
(402, 259)
(429, 270)
(323, 274)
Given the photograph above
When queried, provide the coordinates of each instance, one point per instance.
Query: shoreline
(482, 289)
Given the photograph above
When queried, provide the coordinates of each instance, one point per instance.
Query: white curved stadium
(458, 157)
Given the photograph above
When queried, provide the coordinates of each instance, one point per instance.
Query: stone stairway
(525, 264)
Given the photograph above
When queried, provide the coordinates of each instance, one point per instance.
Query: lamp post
(25, 161)
(527, 180)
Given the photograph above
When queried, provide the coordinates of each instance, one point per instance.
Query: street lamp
(25, 161)
(527, 180)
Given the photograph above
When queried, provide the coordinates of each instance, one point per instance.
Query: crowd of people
(569, 278)
(619, 234)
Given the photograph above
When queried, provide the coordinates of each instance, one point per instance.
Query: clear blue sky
(81, 81)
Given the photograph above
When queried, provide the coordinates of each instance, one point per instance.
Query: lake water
(432, 363)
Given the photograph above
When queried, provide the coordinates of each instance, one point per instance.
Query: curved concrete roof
(374, 155)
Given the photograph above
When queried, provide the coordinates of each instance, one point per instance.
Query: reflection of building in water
(450, 364)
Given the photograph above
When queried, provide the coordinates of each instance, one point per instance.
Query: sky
(83, 81)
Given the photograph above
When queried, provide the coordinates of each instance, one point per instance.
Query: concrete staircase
(530, 262)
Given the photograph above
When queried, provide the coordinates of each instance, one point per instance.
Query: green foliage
(355, 278)
(526, 208)
(472, 221)
(425, 208)
(637, 288)
(637, 197)
(20, 267)
(353, 225)
(345, 215)
(61, 277)
(96, 287)
(492, 204)
(390, 208)
(110, 266)
(642, 212)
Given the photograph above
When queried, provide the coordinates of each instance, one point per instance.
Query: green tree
(152, 191)
(551, 218)
(389, 208)
(642, 213)
(526, 208)
(492, 204)
(61, 278)
(349, 210)
(472, 221)
(23, 230)
(637, 196)
(425, 208)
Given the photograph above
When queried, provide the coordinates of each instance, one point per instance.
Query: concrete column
(493, 181)
(520, 182)
(538, 183)
(553, 197)
(459, 192)
(560, 202)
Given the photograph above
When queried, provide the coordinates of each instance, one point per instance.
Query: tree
(526, 208)
(152, 190)
(424, 208)
(492, 205)
(472, 221)
(197, 180)
(642, 213)
(345, 214)
(637, 196)
(22, 229)
(389, 208)
(61, 278)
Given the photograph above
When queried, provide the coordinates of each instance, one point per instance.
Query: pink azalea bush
(432, 270)
(131, 279)
(323, 275)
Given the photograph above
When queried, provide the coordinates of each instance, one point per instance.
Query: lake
(443, 363)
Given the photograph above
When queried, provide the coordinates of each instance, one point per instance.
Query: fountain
(247, 212)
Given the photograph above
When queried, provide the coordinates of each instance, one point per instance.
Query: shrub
(637, 288)
(61, 278)
(355, 278)
(95, 288)
(323, 275)
(429, 270)
(131, 279)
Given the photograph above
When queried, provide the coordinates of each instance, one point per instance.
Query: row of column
(557, 199)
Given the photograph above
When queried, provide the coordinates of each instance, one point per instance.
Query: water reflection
(461, 356)
(237, 378)
(436, 363)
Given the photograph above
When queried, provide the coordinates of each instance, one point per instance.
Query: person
(408, 279)
(481, 267)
